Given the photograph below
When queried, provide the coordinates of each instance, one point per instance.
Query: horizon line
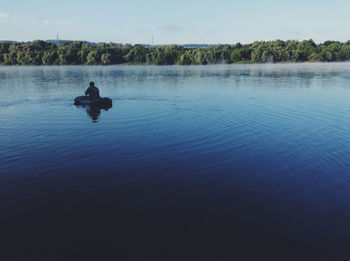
(157, 44)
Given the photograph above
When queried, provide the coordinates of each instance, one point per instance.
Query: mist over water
(190, 163)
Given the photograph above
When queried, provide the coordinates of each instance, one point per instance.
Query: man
(93, 92)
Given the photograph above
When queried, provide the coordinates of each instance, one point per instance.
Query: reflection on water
(198, 163)
(94, 110)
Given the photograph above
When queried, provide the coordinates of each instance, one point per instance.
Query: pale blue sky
(180, 21)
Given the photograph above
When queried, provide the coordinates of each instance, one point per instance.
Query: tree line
(80, 53)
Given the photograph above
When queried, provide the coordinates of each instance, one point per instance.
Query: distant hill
(7, 41)
(58, 42)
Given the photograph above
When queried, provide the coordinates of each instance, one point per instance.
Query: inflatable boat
(100, 102)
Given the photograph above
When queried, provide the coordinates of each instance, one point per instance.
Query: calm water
(191, 163)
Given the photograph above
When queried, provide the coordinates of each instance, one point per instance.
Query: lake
(225, 162)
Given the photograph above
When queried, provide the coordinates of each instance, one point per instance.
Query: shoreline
(172, 65)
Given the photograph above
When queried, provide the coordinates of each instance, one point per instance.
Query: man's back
(93, 92)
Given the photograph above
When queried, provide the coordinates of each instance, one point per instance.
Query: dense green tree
(239, 55)
(136, 55)
(70, 53)
(77, 52)
(185, 58)
(50, 58)
(93, 57)
(305, 50)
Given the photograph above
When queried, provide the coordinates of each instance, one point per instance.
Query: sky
(175, 22)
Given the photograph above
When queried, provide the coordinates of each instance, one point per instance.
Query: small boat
(101, 102)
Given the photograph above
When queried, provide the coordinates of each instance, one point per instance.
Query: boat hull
(101, 102)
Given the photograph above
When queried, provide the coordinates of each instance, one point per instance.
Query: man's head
(92, 84)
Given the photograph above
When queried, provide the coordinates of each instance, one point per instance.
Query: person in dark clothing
(92, 91)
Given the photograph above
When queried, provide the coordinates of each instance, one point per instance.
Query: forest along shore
(80, 53)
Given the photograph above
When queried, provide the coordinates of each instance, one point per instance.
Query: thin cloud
(56, 22)
(170, 28)
(141, 30)
(16, 20)
(4, 16)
